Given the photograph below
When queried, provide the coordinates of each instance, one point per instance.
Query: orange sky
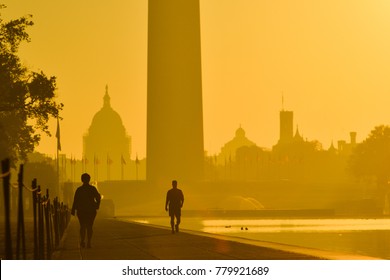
(330, 58)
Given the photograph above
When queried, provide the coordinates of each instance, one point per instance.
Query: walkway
(119, 240)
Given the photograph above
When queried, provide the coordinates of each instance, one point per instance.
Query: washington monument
(174, 99)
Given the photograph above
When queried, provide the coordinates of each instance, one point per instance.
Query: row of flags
(85, 160)
(96, 160)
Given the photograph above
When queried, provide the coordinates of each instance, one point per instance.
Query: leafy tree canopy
(371, 158)
(27, 98)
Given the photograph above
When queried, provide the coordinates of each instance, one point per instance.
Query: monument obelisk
(174, 92)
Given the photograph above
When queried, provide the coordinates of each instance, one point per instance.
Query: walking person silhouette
(86, 201)
(174, 200)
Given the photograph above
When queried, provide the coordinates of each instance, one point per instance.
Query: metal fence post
(47, 220)
(40, 226)
(56, 221)
(20, 228)
(5, 168)
(34, 201)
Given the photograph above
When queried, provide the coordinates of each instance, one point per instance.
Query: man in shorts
(174, 200)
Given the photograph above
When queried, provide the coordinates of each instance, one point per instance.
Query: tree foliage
(27, 98)
(371, 158)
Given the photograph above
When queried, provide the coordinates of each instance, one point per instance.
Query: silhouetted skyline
(329, 60)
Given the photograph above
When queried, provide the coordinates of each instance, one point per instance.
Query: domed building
(106, 145)
(228, 151)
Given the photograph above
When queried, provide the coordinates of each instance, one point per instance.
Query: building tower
(174, 92)
(286, 126)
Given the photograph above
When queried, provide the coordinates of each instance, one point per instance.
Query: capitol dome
(240, 132)
(107, 121)
(106, 144)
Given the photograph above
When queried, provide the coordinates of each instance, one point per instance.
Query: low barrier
(50, 218)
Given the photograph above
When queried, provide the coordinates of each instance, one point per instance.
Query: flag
(123, 160)
(58, 136)
(136, 160)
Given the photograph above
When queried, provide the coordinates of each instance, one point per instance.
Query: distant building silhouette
(286, 126)
(297, 136)
(174, 99)
(332, 149)
(229, 150)
(293, 157)
(106, 145)
(287, 139)
(346, 148)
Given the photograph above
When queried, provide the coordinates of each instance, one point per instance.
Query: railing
(50, 219)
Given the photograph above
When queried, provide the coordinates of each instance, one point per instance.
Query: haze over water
(367, 237)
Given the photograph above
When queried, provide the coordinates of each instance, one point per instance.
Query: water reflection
(295, 225)
(370, 237)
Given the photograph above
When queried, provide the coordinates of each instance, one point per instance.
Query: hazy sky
(330, 58)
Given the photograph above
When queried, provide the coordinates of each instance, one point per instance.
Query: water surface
(369, 237)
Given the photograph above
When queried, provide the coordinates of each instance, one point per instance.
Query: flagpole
(136, 167)
(108, 167)
(122, 167)
(58, 159)
(94, 167)
(58, 172)
(74, 171)
(71, 168)
(121, 170)
(136, 171)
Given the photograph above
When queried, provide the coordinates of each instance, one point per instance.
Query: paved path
(119, 240)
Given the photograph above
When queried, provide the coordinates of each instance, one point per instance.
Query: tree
(371, 158)
(27, 98)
